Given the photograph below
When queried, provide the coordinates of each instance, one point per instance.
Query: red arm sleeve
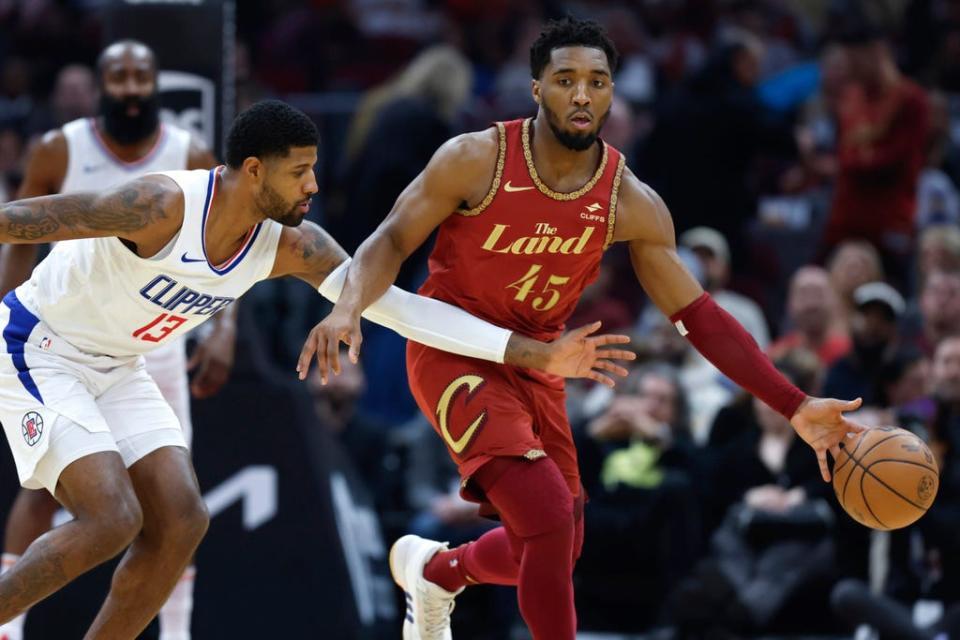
(725, 343)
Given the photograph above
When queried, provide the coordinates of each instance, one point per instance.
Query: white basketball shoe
(428, 605)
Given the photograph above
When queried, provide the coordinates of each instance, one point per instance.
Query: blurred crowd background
(809, 151)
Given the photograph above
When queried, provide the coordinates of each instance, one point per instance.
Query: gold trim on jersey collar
(544, 189)
(495, 185)
(614, 194)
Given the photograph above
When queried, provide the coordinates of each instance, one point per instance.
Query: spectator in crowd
(925, 558)
(770, 558)
(904, 386)
(938, 201)
(643, 518)
(813, 319)
(75, 95)
(939, 311)
(938, 249)
(706, 137)
(873, 330)
(713, 251)
(852, 264)
(706, 389)
(884, 123)
(395, 131)
(439, 77)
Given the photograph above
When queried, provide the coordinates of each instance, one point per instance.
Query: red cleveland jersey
(522, 257)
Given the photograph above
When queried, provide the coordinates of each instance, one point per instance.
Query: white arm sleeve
(427, 321)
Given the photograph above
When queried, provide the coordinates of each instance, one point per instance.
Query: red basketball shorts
(483, 409)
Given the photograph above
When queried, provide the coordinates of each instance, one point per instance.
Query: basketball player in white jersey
(124, 141)
(152, 259)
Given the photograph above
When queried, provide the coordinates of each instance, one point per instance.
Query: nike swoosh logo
(184, 258)
(509, 188)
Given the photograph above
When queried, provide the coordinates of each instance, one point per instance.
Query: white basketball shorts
(59, 404)
(168, 367)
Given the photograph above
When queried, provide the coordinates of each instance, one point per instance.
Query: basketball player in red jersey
(525, 210)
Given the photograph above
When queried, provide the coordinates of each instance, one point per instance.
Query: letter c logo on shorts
(472, 383)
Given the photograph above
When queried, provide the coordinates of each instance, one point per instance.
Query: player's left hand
(212, 360)
(324, 340)
(577, 354)
(822, 425)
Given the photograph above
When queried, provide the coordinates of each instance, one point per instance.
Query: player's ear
(253, 167)
(535, 90)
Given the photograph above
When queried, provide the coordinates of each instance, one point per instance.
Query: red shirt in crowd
(881, 151)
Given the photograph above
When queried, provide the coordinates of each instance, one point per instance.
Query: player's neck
(232, 215)
(557, 163)
(127, 152)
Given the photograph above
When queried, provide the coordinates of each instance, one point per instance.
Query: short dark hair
(570, 32)
(269, 128)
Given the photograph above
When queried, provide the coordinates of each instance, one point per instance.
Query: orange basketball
(885, 478)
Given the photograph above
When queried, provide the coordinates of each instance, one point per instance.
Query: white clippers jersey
(91, 166)
(104, 299)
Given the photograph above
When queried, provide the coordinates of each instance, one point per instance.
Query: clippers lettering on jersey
(544, 240)
(183, 299)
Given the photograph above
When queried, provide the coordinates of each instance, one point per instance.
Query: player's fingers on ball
(853, 427)
(822, 461)
(835, 452)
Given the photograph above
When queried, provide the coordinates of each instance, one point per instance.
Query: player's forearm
(526, 352)
(427, 321)
(27, 222)
(725, 343)
(373, 269)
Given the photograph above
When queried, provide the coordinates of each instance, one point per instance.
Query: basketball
(885, 478)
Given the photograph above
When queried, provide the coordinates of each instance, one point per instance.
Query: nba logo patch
(31, 427)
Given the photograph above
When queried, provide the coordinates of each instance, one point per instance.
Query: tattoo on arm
(128, 208)
(315, 253)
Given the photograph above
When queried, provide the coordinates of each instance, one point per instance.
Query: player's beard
(126, 129)
(573, 141)
(276, 208)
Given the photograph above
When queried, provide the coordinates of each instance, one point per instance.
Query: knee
(186, 522)
(117, 525)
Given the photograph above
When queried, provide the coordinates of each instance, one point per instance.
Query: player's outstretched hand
(820, 422)
(324, 341)
(578, 354)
